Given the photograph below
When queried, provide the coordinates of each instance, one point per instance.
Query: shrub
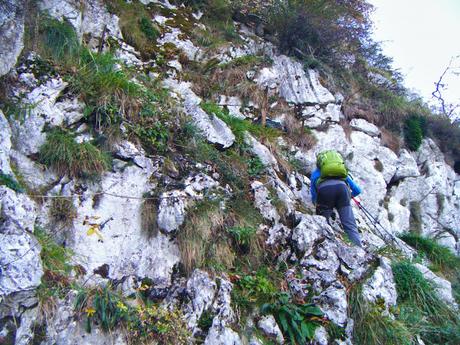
(297, 321)
(63, 154)
(413, 134)
(255, 166)
(242, 234)
(105, 88)
(10, 182)
(136, 27)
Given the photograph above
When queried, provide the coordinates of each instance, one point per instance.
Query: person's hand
(357, 200)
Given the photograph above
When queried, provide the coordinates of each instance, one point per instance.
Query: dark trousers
(336, 194)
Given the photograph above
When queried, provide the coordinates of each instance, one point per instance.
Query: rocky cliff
(198, 198)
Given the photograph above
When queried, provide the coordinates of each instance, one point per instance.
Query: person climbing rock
(330, 188)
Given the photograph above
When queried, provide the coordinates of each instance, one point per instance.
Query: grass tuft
(421, 309)
(371, 327)
(64, 155)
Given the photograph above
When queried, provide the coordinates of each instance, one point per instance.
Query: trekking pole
(376, 222)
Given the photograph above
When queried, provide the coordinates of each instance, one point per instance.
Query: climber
(330, 187)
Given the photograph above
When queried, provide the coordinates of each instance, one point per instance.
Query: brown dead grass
(390, 140)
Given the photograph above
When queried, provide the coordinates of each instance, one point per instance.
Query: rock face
(213, 128)
(127, 221)
(11, 33)
(293, 83)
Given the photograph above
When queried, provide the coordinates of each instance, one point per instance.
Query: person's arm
(314, 178)
(355, 190)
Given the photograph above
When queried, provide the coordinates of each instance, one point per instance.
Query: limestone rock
(201, 290)
(28, 133)
(11, 33)
(294, 84)
(365, 126)
(34, 175)
(442, 286)
(174, 37)
(220, 335)
(317, 116)
(261, 151)
(406, 166)
(307, 232)
(123, 245)
(5, 145)
(381, 285)
(213, 128)
(321, 336)
(16, 210)
(263, 203)
(269, 326)
(333, 302)
(233, 104)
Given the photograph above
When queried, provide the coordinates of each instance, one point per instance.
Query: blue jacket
(355, 190)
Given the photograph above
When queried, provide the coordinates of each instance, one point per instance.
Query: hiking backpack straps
(331, 165)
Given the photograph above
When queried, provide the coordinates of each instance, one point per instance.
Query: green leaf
(312, 309)
(283, 321)
(308, 329)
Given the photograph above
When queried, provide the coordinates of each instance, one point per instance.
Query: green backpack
(331, 165)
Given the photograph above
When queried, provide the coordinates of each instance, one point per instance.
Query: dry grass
(297, 134)
(204, 221)
(63, 211)
(390, 140)
(149, 217)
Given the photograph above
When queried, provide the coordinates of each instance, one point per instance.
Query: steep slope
(143, 202)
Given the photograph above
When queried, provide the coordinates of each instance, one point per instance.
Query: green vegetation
(63, 211)
(298, 322)
(421, 309)
(442, 259)
(58, 40)
(413, 133)
(252, 290)
(57, 267)
(239, 126)
(10, 182)
(64, 155)
(372, 326)
(255, 166)
(136, 26)
(146, 322)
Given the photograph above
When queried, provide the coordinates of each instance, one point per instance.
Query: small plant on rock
(297, 321)
(63, 154)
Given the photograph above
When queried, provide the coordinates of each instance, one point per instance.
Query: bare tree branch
(447, 109)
